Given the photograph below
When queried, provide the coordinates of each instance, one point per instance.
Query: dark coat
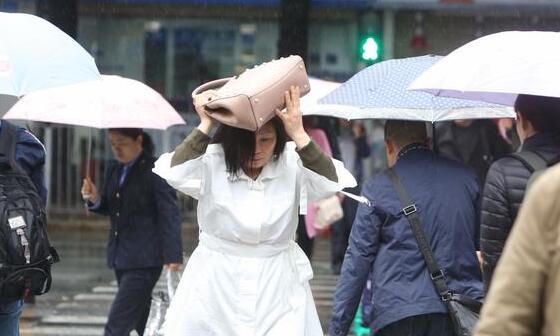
(478, 145)
(446, 194)
(145, 221)
(503, 193)
(30, 157)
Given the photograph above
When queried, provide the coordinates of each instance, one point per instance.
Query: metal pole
(170, 64)
(48, 160)
(69, 134)
(388, 34)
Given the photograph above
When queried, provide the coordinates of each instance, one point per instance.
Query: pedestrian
(538, 127)
(306, 232)
(30, 156)
(247, 276)
(446, 198)
(524, 299)
(354, 149)
(145, 233)
(477, 143)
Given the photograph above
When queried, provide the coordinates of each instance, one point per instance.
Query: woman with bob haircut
(247, 276)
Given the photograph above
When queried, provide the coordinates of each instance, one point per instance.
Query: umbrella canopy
(495, 68)
(111, 102)
(380, 92)
(34, 54)
(319, 89)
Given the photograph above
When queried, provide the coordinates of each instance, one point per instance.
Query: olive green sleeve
(192, 147)
(314, 159)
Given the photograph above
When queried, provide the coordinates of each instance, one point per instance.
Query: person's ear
(391, 151)
(390, 147)
(523, 122)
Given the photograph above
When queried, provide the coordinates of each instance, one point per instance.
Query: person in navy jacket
(30, 157)
(145, 231)
(382, 245)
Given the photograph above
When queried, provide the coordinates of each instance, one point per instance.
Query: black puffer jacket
(503, 193)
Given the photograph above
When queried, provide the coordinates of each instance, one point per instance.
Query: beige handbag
(249, 100)
(328, 211)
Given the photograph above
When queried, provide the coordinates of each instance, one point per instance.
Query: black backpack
(26, 255)
(535, 163)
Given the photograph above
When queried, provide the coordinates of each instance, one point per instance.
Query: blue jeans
(9, 317)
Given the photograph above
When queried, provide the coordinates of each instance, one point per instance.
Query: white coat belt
(298, 259)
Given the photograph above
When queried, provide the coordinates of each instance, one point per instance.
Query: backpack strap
(533, 161)
(8, 141)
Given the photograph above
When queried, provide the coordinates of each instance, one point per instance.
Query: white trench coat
(247, 276)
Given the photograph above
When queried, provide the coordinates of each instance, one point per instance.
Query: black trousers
(420, 325)
(303, 240)
(131, 306)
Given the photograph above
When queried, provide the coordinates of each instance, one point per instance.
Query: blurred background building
(175, 45)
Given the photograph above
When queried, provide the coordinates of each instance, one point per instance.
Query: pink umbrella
(111, 102)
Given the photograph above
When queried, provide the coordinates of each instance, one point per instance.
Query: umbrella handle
(88, 158)
(88, 163)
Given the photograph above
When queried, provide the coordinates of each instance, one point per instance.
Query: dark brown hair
(542, 112)
(405, 132)
(239, 144)
(134, 133)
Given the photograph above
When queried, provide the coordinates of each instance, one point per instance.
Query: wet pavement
(83, 287)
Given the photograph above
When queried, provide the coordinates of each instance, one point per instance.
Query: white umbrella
(35, 54)
(319, 89)
(496, 68)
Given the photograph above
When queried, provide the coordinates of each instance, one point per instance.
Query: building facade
(175, 45)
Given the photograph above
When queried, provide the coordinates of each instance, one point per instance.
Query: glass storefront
(175, 55)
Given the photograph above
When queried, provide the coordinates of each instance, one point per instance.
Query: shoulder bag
(464, 311)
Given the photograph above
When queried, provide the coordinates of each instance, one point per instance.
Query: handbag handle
(215, 84)
(210, 86)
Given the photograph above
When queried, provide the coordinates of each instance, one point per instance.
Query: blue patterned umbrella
(380, 92)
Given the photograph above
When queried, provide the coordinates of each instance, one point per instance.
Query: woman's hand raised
(292, 119)
(206, 122)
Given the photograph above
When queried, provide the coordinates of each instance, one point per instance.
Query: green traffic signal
(370, 50)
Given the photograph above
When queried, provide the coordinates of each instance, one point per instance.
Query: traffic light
(370, 49)
(370, 38)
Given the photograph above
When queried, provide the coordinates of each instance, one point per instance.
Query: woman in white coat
(247, 276)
